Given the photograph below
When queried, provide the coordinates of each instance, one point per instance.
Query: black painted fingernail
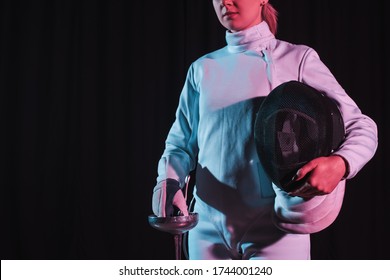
(294, 178)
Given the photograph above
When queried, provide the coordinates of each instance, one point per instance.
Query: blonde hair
(270, 16)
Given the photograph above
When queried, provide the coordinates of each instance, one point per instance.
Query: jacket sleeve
(298, 215)
(179, 156)
(361, 137)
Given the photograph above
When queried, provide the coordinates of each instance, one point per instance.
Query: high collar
(254, 38)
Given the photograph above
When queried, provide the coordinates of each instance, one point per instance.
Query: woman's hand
(324, 173)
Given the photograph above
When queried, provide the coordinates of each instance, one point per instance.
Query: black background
(88, 91)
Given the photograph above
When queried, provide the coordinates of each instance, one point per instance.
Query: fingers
(180, 202)
(304, 170)
(306, 191)
(167, 196)
(321, 176)
(158, 201)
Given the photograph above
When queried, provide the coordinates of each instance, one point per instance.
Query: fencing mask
(295, 124)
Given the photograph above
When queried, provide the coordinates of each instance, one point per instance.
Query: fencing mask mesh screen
(295, 124)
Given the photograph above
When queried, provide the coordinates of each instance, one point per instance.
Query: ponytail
(270, 16)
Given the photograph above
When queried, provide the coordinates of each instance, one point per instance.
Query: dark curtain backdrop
(88, 91)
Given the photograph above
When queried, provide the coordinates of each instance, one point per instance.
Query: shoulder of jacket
(213, 54)
(292, 47)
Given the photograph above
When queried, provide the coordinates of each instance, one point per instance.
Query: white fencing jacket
(214, 126)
